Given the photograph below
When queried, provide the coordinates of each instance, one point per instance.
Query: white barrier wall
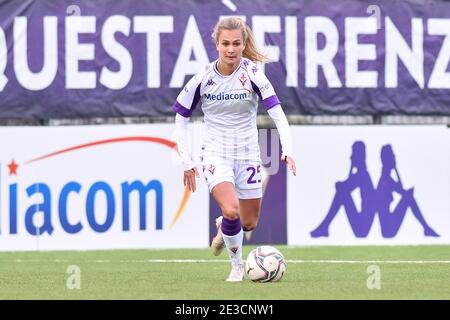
(96, 187)
(321, 213)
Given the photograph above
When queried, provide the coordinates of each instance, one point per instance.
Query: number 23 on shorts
(255, 174)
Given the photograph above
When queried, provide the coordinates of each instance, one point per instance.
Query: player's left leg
(232, 234)
(249, 190)
(249, 210)
(217, 243)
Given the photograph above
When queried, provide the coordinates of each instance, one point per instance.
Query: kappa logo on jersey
(212, 168)
(210, 83)
(245, 63)
(243, 79)
(254, 69)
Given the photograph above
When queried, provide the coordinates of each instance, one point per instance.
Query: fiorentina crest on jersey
(243, 79)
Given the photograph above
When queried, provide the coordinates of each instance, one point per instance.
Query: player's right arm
(190, 170)
(184, 106)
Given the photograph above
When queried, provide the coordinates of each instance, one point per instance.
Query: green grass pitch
(405, 272)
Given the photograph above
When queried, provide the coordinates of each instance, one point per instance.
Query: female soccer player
(229, 89)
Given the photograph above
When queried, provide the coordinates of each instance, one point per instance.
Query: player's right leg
(217, 170)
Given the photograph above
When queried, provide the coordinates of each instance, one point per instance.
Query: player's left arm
(266, 93)
(278, 116)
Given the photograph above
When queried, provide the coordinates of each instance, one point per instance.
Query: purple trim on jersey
(178, 108)
(271, 102)
(256, 89)
(185, 112)
(231, 227)
(196, 97)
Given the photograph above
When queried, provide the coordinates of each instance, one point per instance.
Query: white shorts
(245, 176)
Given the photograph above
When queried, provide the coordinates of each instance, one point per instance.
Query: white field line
(228, 261)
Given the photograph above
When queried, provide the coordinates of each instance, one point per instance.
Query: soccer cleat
(237, 273)
(217, 244)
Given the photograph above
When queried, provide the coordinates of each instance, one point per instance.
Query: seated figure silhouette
(391, 221)
(358, 177)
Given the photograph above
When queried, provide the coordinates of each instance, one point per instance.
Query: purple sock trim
(231, 227)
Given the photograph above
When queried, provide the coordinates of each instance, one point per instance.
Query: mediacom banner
(96, 187)
(370, 185)
(108, 58)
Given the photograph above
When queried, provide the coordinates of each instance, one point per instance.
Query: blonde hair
(233, 23)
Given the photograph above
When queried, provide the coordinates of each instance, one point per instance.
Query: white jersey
(230, 105)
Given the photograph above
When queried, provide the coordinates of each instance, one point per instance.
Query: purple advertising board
(70, 59)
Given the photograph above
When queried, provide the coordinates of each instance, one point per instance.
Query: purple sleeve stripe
(270, 102)
(185, 112)
(256, 89)
(196, 97)
(178, 108)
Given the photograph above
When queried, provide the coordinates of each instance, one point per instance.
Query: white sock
(234, 246)
(248, 234)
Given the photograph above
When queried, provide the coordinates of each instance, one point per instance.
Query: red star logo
(13, 168)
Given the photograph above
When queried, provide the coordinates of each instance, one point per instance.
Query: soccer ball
(264, 264)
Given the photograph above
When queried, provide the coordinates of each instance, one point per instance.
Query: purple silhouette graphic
(373, 200)
(391, 221)
(358, 178)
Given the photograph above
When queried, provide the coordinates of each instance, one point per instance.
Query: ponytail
(251, 52)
